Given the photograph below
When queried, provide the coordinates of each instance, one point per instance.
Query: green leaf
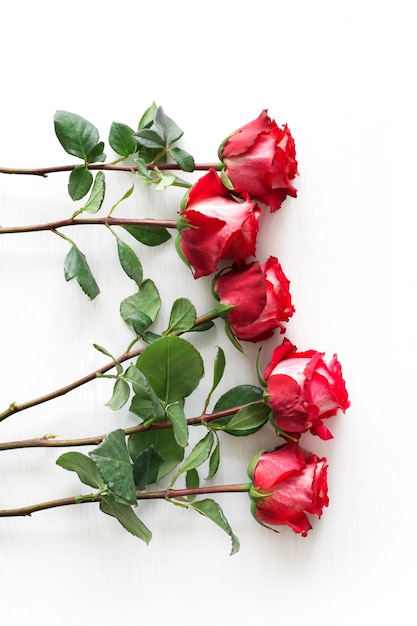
(121, 393)
(172, 366)
(121, 140)
(178, 420)
(202, 327)
(147, 118)
(146, 301)
(170, 130)
(248, 420)
(214, 461)
(149, 139)
(146, 467)
(180, 182)
(149, 235)
(219, 366)
(84, 466)
(96, 198)
(151, 155)
(139, 321)
(142, 168)
(103, 350)
(164, 443)
(76, 266)
(119, 368)
(126, 516)
(182, 317)
(183, 158)
(129, 261)
(209, 508)
(97, 153)
(145, 403)
(124, 197)
(199, 453)
(113, 462)
(80, 182)
(165, 180)
(150, 337)
(77, 136)
(136, 379)
(192, 481)
(237, 396)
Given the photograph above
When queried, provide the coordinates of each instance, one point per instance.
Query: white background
(342, 75)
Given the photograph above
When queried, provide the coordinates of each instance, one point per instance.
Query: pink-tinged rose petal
(217, 226)
(289, 485)
(261, 297)
(303, 389)
(260, 161)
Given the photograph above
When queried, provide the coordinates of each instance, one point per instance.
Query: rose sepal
(282, 433)
(223, 309)
(222, 145)
(259, 374)
(232, 337)
(253, 511)
(184, 200)
(180, 252)
(256, 494)
(180, 224)
(226, 180)
(253, 463)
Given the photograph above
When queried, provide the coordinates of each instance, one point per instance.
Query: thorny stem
(49, 441)
(140, 495)
(106, 221)
(16, 408)
(44, 171)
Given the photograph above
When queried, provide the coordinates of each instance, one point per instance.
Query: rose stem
(140, 495)
(106, 221)
(49, 441)
(44, 171)
(16, 408)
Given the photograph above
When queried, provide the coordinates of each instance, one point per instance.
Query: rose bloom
(302, 389)
(260, 161)
(221, 226)
(261, 293)
(287, 484)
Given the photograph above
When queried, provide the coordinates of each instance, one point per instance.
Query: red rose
(303, 389)
(261, 293)
(288, 484)
(260, 161)
(221, 226)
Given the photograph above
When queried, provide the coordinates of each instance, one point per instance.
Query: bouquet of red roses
(217, 225)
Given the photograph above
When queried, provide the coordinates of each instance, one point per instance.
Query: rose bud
(216, 225)
(302, 389)
(261, 299)
(260, 161)
(287, 484)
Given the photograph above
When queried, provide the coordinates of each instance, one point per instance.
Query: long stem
(16, 408)
(106, 221)
(44, 171)
(49, 441)
(140, 495)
